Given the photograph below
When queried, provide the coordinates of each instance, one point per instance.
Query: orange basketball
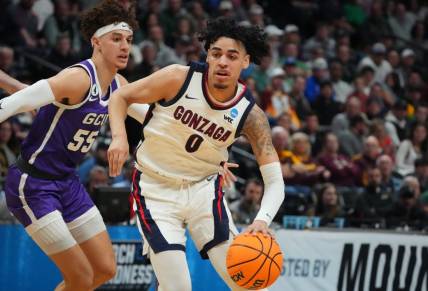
(254, 261)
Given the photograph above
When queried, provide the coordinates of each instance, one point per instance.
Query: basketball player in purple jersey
(42, 189)
(196, 113)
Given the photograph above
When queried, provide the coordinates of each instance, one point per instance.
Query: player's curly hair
(253, 37)
(105, 13)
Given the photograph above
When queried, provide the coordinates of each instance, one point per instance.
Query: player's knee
(106, 271)
(80, 279)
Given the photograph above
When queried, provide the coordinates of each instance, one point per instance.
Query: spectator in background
(256, 15)
(292, 34)
(376, 24)
(420, 114)
(421, 172)
(165, 54)
(411, 149)
(245, 209)
(290, 56)
(373, 205)
(325, 105)
(183, 30)
(60, 23)
(169, 17)
(401, 23)
(396, 123)
(367, 159)
(321, 39)
(319, 74)
(376, 60)
(20, 25)
(406, 212)
(351, 140)
(43, 9)
(7, 63)
(98, 176)
(345, 57)
(341, 88)
(343, 171)
(274, 35)
(377, 91)
(393, 57)
(280, 137)
(419, 34)
(260, 74)
(315, 133)
(328, 206)
(297, 98)
(361, 86)
(341, 121)
(378, 130)
(375, 108)
(407, 65)
(148, 64)
(393, 86)
(62, 54)
(390, 183)
(300, 168)
(275, 100)
(413, 183)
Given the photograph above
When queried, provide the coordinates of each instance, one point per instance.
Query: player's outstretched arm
(68, 87)
(135, 110)
(10, 84)
(161, 85)
(258, 133)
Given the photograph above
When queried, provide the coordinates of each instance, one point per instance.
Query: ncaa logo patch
(234, 113)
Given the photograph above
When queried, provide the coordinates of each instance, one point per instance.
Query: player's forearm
(9, 84)
(274, 192)
(30, 98)
(117, 110)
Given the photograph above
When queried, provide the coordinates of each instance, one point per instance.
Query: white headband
(114, 26)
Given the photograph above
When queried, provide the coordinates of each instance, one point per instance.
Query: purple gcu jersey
(43, 179)
(61, 135)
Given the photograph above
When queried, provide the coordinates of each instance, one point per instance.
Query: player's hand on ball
(229, 177)
(259, 226)
(118, 153)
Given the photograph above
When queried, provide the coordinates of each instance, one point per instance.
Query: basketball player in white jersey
(196, 113)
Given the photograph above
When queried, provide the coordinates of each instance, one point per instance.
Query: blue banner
(25, 267)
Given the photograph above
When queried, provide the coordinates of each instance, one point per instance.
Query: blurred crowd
(344, 88)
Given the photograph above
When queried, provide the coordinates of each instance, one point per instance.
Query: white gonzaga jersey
(188, 137)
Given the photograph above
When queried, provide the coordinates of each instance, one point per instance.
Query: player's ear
(95, 41)
(246, 61)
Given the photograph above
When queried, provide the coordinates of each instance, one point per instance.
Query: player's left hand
(259, 226)
(117, 154)
(228, 176)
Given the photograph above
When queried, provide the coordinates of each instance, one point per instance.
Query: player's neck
(105, 72)
(222, 95)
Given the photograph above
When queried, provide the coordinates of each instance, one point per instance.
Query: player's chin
(121, 65)
(219, 85)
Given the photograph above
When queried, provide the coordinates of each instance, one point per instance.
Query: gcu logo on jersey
(94, 93)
